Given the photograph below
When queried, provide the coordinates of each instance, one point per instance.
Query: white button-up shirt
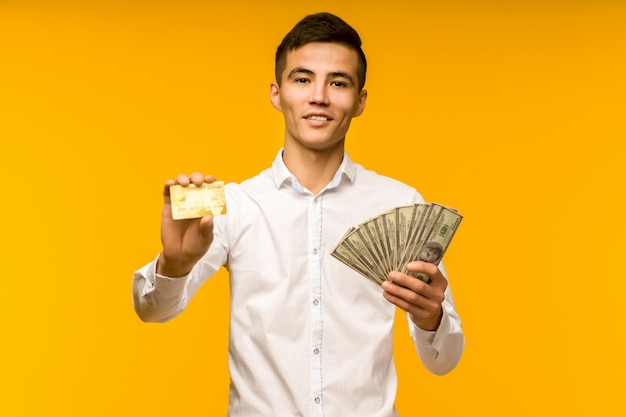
(308, 335)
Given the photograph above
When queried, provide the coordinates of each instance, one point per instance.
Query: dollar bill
(347, 253)
(434, 244)
(392, 239)
(389, 227)
(420, 220)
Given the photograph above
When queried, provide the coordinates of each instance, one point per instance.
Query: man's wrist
(432, 324)
(172, 269)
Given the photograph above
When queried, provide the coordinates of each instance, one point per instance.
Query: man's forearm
(157, 298)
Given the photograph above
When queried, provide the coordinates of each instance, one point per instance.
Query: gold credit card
(195, 201)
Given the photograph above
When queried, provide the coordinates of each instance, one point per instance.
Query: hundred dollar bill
(419, 231)
(389, 226)
(347, 258)
(195, 201)
(378, 226)
(346, 252)
(396, 237)
(364, 249)
(405, 219)
(371, 235)
(434, 245)
(414, 230)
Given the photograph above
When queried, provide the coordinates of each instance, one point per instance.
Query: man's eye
(338, 84)
(301, 80)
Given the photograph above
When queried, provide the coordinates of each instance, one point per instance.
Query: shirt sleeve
(157, 298)
(441, 350)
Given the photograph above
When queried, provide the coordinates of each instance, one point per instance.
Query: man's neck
(314, 169)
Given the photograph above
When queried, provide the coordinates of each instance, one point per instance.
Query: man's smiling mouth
(318, 118)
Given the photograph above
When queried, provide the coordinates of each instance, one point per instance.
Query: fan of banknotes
(389, 241)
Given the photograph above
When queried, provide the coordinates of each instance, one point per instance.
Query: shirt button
(316, 301)
(316, 351)
(315, 251)
(317, 400)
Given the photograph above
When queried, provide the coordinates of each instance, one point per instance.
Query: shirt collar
(282, 174)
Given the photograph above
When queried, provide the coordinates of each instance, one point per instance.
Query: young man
(308, 335)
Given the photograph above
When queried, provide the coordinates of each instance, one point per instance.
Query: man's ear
(275, 96)
(361, 103)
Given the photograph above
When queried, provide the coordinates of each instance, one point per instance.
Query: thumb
(206, 228)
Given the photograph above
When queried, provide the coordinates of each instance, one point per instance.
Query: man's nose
(319, 94)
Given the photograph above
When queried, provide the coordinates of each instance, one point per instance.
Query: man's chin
(321, 145)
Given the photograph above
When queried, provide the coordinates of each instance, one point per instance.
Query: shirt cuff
(160, 286)
(433, 337)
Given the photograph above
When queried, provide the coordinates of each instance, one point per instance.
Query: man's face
(318, 95)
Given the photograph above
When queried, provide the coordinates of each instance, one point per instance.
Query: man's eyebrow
(334, 74)
(341, 75)
(299, 71)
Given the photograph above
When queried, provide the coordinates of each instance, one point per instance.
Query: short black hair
(321, 27)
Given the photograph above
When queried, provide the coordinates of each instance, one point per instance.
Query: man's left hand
(421, 300)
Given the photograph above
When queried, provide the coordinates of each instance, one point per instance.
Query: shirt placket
(315, 270)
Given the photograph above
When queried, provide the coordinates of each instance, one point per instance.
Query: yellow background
(511, 111)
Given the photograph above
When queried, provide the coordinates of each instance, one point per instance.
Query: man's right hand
(184, 241)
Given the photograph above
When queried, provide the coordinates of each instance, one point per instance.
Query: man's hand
(184, 241)
(421, 300)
